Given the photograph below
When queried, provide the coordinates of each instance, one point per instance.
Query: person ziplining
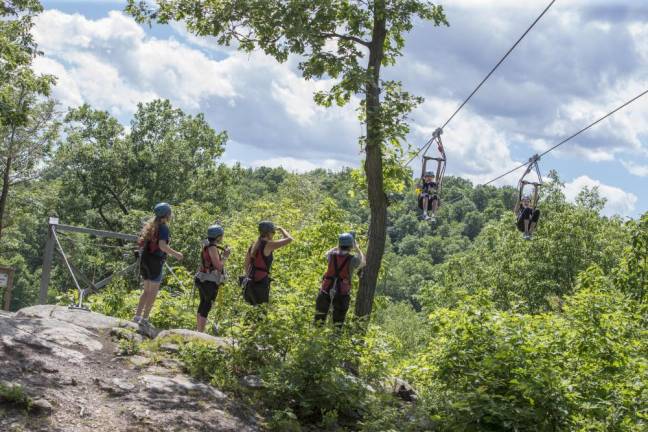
(526, 206)
(429, 188)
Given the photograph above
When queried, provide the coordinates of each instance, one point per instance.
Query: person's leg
(322, 304)
(435, 205)
(340, 308)
(211, 289)
(145, 271)
(426, 203)
(248, 293)
(201, 316)
(263, 291)
(526, 217)
(151, 296)
(535, 216)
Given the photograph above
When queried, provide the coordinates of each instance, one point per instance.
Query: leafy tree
(26, 118)
(331, 37)
(168, 155)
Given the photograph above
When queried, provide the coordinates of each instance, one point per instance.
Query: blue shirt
(163, 234)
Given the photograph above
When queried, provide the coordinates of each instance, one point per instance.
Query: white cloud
(618, 201)
(111, 63)
(635, 168)
(474, 148)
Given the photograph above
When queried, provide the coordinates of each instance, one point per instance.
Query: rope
(499, 63)
(483, 81)
(569, 138)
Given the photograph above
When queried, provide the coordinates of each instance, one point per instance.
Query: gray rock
(252, 381)
(171, 364)
(85, 319)
(180, 385)
(126, 333)
(60, 338)
(170, 348)
(222, 342)
(402, 389)
(139, 361)
(42, 406)
(115, 387)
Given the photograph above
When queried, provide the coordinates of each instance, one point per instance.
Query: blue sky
(584, 58)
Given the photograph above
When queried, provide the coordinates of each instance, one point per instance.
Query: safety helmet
(526, 198)
(215, 231)
(266, 227)
(429, 174)
(345, 240)
(162, 210)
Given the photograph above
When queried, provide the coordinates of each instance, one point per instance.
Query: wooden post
(47, 261)
(7, 283)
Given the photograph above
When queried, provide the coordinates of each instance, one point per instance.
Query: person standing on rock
(211, 274)
(258, 262)
(336, 283)
(154, 248)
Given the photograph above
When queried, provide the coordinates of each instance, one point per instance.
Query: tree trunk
(5, 189)
(373, 168)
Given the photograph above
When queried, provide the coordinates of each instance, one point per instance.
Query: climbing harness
(337, 277)
(522, 183)
(440, 162)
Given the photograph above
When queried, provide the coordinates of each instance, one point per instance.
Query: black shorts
(430, 199)
(533, 215)
(256, 293)
(151, 267)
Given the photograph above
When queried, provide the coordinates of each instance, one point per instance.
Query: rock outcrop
(66, 362)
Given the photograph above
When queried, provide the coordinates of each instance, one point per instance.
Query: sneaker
(526, 237)
(426, 217)
(432, 218)
(137, 319)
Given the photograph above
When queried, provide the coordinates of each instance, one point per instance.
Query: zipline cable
(488, 75)
(569, 138)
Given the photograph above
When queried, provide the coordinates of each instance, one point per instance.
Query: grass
(15, 396)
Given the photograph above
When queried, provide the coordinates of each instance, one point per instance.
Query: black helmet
(266, 227)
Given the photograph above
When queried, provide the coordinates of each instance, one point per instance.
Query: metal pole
(7, 294)
(47, 261)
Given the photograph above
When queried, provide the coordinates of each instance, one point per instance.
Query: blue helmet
(162, 210)
(345, 240)
(266, 227)
(215, 231)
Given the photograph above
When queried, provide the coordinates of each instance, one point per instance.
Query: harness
(533, 165)
(337, 277)
(260, 263)
(207, 264)
(207, 271)
(440, 160)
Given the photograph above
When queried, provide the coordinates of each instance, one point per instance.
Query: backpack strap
(260, 250)
(335, 265)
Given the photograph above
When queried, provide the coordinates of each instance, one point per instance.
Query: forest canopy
(493, 332)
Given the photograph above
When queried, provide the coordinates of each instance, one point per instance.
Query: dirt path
(66, 361)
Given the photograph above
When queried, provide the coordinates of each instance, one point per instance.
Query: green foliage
(15, 396)
(530, 275)
(128, 346)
